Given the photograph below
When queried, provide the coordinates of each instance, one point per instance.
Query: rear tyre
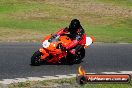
(80, 55)
(36, 58)
(77, 58)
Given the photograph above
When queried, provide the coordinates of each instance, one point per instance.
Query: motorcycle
(53, 51)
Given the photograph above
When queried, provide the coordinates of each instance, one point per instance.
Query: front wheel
(36, 58)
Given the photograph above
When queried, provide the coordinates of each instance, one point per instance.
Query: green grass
(116, 32)
(36, 25)
(107, 86)
(70, 83)
(107, 23)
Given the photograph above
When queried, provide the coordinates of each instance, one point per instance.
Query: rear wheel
(81, 53)
(36, 58)
(77, 58)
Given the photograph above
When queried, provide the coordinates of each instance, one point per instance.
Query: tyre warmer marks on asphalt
(42, 78)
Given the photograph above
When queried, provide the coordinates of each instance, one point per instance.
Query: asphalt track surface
(15, 60)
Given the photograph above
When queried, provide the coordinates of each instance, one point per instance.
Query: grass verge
(106, 20)
(65, 83)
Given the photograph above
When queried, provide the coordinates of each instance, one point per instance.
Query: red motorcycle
(53, 51)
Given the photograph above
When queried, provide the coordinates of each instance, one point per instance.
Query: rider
(77, 34)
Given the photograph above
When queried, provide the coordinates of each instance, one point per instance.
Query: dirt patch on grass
(34, 15)
(19, 35)
(93, 12)
(88, 11)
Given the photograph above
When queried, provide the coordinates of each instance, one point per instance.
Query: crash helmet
(74, 25)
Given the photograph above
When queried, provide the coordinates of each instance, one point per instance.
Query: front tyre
(36, 58)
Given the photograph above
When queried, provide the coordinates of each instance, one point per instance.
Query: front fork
(44, 53)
